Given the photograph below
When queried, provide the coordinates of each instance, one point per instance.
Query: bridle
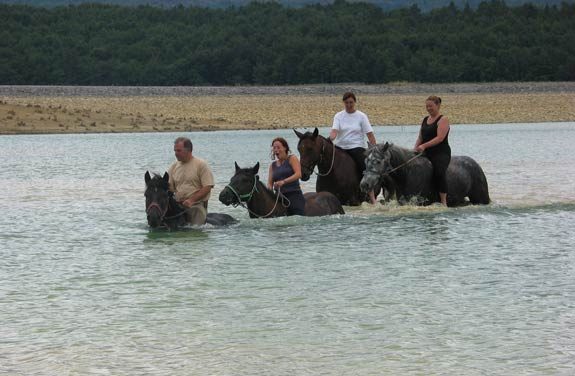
(247, 197)
(163, 218)
(321, 159)
(155, 205)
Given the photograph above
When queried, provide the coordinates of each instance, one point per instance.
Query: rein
(241, 199)
(402, 165)
(155, 205)
(174, 216)
(321, 158)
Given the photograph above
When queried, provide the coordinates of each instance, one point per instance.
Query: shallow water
(86, 288)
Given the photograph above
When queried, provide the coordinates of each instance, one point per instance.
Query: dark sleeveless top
(282, 172)
(429, 132)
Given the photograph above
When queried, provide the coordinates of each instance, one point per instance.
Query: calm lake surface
(87, 289)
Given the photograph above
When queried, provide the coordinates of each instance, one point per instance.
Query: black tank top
(429, 132)
(282, 172)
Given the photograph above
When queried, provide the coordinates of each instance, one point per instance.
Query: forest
(270, 44)
(424, 5)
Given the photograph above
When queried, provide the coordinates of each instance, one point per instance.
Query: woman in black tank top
(433, 140)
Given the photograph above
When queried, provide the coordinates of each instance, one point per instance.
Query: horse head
(378, 163)
(241, 186)
(157, 198)
(310, 150)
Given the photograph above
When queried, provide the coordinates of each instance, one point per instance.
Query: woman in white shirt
(348, 132)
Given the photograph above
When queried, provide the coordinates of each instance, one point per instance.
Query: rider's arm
(418, 141)
(295, 165)
(333, 134)
(371, 138)
(198, 196)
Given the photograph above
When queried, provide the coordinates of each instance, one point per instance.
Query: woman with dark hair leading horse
(433, 140)
(348, 132)
(284, 175)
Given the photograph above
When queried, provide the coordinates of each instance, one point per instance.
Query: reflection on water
(87, 288)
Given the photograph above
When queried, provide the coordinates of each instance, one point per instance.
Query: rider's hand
(188, 203)
(278, 184)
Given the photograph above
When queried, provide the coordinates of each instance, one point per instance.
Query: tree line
(268, 44)
(424, 5)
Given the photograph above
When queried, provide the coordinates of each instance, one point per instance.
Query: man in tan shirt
(191, 180)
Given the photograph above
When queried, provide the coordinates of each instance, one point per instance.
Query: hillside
(266, 44)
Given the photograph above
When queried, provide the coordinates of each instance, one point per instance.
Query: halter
(321, 158)
(154, 204)
(250, 196)
(163, 217)
(243, 197)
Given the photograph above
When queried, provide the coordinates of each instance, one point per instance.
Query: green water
(86, 288)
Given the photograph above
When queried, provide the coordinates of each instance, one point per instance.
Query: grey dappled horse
(163, 210)
(246, 187)
(408, 177)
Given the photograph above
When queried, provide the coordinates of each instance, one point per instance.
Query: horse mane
(157, 180)
(309, 134)
(399, 154)
(156, 176)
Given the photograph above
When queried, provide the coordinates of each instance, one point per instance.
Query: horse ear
(386, 146)
(315, 132)
(237, 167)
(166, 177)
(256, 168)
(147, 177)
(298, 134)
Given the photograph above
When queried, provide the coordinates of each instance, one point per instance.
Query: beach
(58, 109)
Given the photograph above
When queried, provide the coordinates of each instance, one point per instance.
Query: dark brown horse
(245, 188)
(337, 171)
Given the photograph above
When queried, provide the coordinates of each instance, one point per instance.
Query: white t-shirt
(351, 129)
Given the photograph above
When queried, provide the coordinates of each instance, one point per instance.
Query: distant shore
(67, 109)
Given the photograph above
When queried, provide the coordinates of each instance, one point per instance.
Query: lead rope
(330, 167)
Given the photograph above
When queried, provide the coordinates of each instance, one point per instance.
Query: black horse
(337, 171)
(245, 187)
(408, 175)
(163, 210)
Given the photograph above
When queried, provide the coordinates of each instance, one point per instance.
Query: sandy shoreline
(47, 109)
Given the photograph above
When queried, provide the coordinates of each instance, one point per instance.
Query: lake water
(87, 289)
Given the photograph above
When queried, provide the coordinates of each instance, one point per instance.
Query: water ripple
(86, 288)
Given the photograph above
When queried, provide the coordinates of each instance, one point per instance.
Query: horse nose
(225, 197)
(153, 221)
(364, 184)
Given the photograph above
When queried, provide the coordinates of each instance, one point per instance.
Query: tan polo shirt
(186, 178)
